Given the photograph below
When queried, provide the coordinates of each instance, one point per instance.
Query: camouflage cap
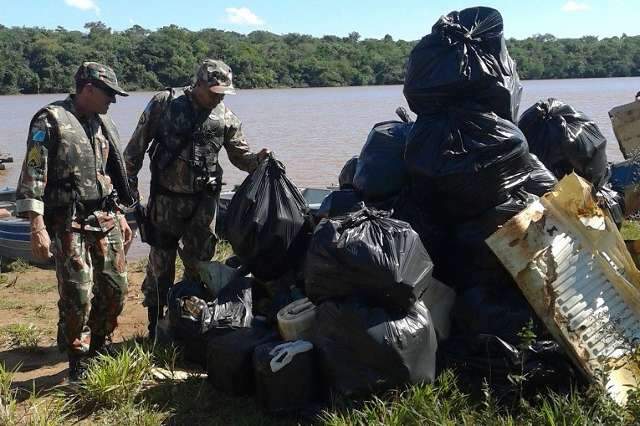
(93, 71)
(218, 75)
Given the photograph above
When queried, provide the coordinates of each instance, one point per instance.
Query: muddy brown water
(313, 131)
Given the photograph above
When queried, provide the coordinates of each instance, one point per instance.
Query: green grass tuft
(23, 336)
(18, 266)
(132, 414)
(113, 381)
(8, 401)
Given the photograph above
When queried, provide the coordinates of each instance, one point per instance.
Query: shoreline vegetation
(37, 60)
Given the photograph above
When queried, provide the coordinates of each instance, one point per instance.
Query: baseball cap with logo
(218, 75)
(95, 72)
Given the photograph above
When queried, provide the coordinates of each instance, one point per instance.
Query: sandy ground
(29, 296)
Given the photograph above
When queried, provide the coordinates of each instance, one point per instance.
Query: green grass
(132, 414)
(223, 251)
(6, 304)
(139, 265)
(115, 380)
(8, 397)
(23, 336)
(38, 287)
(630, 230)
(18, 266)
(120, 390)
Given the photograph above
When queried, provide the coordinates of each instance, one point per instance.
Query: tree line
(38, 60)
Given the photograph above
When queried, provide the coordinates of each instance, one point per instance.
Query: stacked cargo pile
(359, 297)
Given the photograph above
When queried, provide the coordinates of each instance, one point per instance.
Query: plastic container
(295, 321)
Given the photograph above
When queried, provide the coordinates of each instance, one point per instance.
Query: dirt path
(28, 299)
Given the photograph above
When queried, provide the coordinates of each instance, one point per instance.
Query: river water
(313, 131)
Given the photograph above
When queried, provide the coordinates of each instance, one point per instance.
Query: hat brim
(223, 90)
(119, 90)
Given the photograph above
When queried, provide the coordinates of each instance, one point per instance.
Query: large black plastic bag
(339, 203)
(488, 360)
(465, 161)
(541, 179)
(464, 56)
(381, 172)
(364, 349)
(345, 179)
(565, 140)
(368, 254)
(266, 220)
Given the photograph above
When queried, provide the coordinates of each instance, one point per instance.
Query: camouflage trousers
(189, 220)
(92, 284)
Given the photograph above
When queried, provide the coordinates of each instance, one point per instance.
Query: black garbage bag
(496, 308)
(266, 221)
(363, 349)
(230, 358)
(463, 162)
(369, 254)
(541, 179)
(565, 140)
(464, 56)
(189, 314)
(612, 201)
(345, 179)
(339, 203)
(381, 172)
(469, 236)
(292, 387)
(511, 372)
(193, 316)
(434, 236)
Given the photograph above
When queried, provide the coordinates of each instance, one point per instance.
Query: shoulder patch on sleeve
(34, 157)
(38, 135)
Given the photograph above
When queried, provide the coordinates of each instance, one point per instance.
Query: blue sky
(402, 19)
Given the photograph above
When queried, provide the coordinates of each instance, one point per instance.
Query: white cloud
(243, 16)
(574, 6)
(84, 5)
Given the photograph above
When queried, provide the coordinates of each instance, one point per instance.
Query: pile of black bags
(414, 210)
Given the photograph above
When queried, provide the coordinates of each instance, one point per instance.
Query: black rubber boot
(154, 313)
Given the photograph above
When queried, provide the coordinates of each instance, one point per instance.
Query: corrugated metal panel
(566, 257)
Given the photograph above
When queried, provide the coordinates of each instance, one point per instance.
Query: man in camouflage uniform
(66, 189)
(186, 128)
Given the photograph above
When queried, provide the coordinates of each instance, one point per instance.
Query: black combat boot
(77, 367)
(100, 345)
(154, 313)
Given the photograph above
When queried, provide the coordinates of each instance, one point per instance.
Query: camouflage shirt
(180, 176)
(39, 165)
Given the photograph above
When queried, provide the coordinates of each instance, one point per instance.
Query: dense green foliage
(37, 60)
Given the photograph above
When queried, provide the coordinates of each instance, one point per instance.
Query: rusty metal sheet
(572, 265)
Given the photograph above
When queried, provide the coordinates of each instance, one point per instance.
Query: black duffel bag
(465, 56)
(369, 254)
(565, 140)
(363, 349)
(266, 221)
(463, 162)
